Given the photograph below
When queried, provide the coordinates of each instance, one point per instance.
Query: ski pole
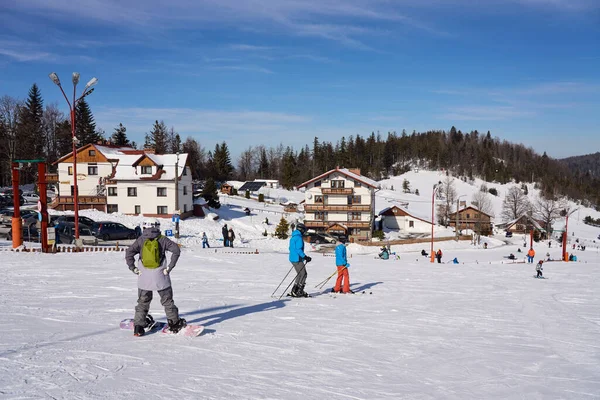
(288, 286)
(322, 283)
(286, 275)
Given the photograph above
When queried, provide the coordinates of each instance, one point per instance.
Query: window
(353, 200)
(147, 170)
(184, 190)
(131, 192)
(161, 192)
(337, 184)
(468, 216)
(357, 184)
(112, 208)
(321, 215)
(477, 215)
(318, 184)
(112, 191)
(73, 190)
(70, 171)
(411, 224)
(354, 216)
(138, 209)
(92, 170)
(355, 231)
(92, 153)
(161, 209)
(318, 199)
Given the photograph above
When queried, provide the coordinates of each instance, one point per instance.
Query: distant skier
(225, 233)
(296, 257)
(438, 255)
(205, 241)
(342, 284)
(424, 253)
(153, 275)
(385, 253)
(539, 269)
(530, 255)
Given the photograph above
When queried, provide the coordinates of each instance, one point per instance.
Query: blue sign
(168, 232)
(175, 218)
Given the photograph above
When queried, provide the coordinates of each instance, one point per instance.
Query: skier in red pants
(341, 261)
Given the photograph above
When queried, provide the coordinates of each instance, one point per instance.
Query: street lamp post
(566, 214)
(72, 106)
(457, 220)
(177, 196)
(435, 189)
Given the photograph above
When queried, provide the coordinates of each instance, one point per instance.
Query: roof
(251, 186)
(472, 208)
(536, 224)
(403, 213)
(344, 171)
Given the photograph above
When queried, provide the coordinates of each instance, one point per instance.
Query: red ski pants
(344, 276)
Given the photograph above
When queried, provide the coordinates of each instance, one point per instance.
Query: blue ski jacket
(296, 247)
(340, 255)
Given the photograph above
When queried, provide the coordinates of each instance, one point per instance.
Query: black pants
(539, 274)
(439, 258)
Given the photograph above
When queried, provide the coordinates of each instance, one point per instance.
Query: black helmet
(301, 227)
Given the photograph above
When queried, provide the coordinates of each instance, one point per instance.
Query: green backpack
(151, 257)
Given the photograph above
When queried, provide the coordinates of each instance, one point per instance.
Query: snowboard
(188, 330)
(541, 277)
(127, 324)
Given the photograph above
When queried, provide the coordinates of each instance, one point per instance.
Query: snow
(480, 329)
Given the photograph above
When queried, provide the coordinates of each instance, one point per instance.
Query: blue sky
(283, 71)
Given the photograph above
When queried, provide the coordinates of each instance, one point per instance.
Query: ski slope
(484, 328)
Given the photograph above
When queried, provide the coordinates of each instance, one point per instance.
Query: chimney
(149, 151)
(354, 170)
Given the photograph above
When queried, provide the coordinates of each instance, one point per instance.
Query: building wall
(86, 183)
(147, 197)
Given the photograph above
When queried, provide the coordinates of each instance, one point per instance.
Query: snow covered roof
(126, 166)
(344, 171)
(403, 213)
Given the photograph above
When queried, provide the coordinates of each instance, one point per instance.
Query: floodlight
(54, 78)
(75, 78)
(91, 83)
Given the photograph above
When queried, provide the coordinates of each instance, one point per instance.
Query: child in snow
(230, 237)
(341, 261)
(296, 257)
(153, 275)
(438, 255)
(205, 240)
(539, 269)
(225, 233)
(385, 254)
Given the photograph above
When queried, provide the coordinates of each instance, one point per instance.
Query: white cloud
(484, 113)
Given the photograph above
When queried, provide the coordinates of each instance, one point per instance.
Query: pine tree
(158, 137)
(222, 162)
(281, 231)
(406, 186)
(173, 141)
(196, 157)
(263, 163)
(30, 131)
(210, 194)
(85, 126)
(119, 136)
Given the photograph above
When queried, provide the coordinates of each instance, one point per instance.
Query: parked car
(31, 197)
(508, 234)
(28, 217)
(7, 199)
(108, 230)
(65, 233)
(71, 218)
(319, 238)
(339, 236)
(30, 234)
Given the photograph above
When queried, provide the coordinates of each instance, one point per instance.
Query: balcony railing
(82, 199)
(337, 207)
(337, 190)
(349, 224)
(51, 178)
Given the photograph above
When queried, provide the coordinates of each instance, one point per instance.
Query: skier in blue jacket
(341, 261)
(297, 256)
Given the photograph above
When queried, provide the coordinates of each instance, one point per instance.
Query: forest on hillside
(28, 130)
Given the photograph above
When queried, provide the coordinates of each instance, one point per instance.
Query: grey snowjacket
(153, 279)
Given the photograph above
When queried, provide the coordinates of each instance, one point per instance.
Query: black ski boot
(177, 326)
(294, 292)
(301, 292)
(149, 322)
(138, 330)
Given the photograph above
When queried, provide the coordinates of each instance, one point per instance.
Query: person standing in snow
(342, 284)
(438, 255)
(153, 275)
(539, 269)
(205, 240)
(230, 237)
(530, 255)
(225, 233)
(296, 257)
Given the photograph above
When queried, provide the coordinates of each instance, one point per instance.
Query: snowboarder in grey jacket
(153, 275)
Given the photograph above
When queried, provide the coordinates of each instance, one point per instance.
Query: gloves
(347, 265)
(135, 270)
(307, 259)
(166, 271)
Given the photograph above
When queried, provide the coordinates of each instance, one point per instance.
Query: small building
(250, 186)
(226, 188)
(397, 218)
(270, 183)
(523, 224)
(290, 206)
(472, 218)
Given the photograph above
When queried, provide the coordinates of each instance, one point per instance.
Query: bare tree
(515, 204)
(53, 122)
(548, 210)
(483, 203)
(247, 164)
(9, 119)
(449, 193)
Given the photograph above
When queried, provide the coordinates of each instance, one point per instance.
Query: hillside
(587, 165)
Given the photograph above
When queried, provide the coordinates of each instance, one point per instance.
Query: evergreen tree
(406, 186)
(119, 136)
(85, 126)
(158, 137)
(210, 194)
(281, 231)
(289, 169)
(222, 162)
(263, 163)
(173, 141)
(196, 157)
(30, 132)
